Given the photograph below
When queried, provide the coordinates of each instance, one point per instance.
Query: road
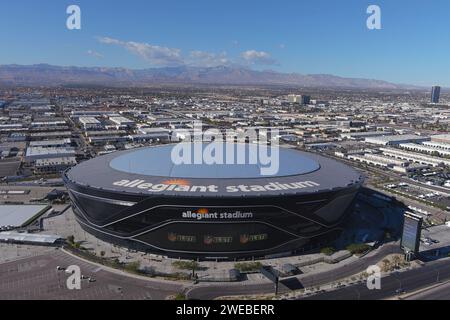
(408, 281)
(209, 292)
(36, 278)
(441, 292)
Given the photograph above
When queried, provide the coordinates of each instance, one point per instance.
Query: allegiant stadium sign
(205, 214)
(184, 186)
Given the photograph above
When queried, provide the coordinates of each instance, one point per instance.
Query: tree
(386, 265)
(328, 251)
(186, 265)
(71, 239)
(397, 260)
(358, 248)
(180, 296)
(133, 266)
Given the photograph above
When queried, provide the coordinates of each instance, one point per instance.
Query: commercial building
(90, 123)
(415, 157)
(379, 160)
(393, 140)
(435, 94)
(437, 145)
(359, 136)
(28, 238)
(101, 140)
(55, 165)
(39, 136)
(16, 216)
(425, 149)
(147, 134)
(51, 143)
(36, 153)
(122, 122)
(300, 99)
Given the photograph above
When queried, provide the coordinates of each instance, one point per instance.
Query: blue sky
(310, 36)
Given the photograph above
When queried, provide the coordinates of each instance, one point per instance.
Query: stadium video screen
(411, 233)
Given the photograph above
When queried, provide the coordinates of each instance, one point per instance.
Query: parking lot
(37, 278)
(9, 168)
(421, 194)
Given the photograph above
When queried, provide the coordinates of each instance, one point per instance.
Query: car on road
(400, 291)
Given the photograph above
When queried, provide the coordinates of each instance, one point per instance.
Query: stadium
(141, 200)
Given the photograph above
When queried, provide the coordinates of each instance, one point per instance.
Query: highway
(403, 282)
(440, 292)
(209, 292)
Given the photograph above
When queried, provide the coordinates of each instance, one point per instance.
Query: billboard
(412, 228)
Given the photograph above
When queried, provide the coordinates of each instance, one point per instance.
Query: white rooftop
(35, 151)
(28, 237)
(18, 215)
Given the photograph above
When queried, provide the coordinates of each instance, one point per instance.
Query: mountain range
(49, 75)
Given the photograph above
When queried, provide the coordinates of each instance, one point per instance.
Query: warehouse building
(395, 140)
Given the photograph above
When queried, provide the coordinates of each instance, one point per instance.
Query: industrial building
(394, 140)
(36, 153)
(415, 157)
(55, 165)
(425, 149)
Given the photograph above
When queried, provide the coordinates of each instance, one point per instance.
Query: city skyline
(318, 37)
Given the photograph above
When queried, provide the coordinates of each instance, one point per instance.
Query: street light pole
(358, 294)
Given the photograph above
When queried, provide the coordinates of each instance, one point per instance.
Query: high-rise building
(294, 98)
(305, 100)
(435, 94)
(300, 99)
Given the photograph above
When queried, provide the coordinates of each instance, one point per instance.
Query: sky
(301, 36)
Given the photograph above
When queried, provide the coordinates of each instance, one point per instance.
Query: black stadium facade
(142, 200)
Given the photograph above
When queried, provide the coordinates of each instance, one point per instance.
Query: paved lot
(10, 252)
(36, 278)
(35, 192)
(9, 168)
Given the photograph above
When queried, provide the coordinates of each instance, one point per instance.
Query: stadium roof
(151, 170)
(157, 162)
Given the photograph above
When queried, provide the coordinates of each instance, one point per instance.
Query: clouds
(155, 55)
(95, 54)
(207, 59)
(254, 57)
(166, 57)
